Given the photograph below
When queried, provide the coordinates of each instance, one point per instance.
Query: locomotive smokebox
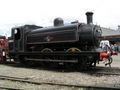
(89, 17)
(58, 22)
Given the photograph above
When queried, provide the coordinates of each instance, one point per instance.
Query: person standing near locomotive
(4, 55)
(107, 49)
(115, 47)
(1, 59)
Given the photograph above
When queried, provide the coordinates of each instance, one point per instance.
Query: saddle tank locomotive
(62, 43)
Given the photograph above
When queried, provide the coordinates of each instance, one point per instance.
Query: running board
(50, 60)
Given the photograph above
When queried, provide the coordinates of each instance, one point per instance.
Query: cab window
(17, 34)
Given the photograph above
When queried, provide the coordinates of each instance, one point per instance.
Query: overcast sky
(42, 12)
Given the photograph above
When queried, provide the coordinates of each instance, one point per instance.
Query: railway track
(104, 71)
(8, 88)
(25, 80)
(95, 71)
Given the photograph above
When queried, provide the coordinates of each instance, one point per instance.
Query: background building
(112, 35)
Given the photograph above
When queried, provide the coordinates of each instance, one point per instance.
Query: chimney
(89, 17)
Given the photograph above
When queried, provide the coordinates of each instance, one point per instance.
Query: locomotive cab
(17, 39)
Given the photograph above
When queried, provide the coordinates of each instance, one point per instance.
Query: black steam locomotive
(62, 43)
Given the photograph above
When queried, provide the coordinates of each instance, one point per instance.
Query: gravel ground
(69, 77)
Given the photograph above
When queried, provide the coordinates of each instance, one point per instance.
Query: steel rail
(9, 88)
(51, 83)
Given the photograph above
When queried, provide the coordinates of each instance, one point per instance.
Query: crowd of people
(105, 45)
(114, 47)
